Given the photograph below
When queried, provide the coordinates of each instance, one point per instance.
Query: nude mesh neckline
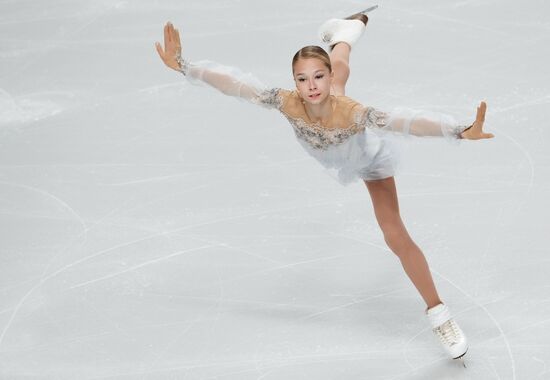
(319, 123)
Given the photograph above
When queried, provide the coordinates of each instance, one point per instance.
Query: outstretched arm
(229, 80)
(421, 123)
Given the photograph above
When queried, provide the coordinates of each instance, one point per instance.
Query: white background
(152, 229)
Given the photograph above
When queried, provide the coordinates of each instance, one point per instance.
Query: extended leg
(339, 59)
(386, 208)
(340, 35)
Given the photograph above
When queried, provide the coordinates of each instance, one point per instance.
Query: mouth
(314, 96)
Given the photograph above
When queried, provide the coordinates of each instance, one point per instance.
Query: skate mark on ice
(345, 305)
(160, 234)
(455, 21)
(84, 232)
(149, 262)
(145, 180)
(533, 102)
(523, 199)
(53, 197)
(464, 178)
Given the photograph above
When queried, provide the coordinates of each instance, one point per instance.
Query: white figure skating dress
(359, 142)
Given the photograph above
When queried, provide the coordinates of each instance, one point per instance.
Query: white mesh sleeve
(412, 122)
(231, 81)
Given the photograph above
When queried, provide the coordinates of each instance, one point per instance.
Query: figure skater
(351, 139)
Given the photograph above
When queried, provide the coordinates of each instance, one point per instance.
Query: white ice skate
(447, 330)
(347, 30)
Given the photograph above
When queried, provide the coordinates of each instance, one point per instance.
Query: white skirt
(367, 155)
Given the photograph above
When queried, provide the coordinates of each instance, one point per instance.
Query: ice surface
(143, 236)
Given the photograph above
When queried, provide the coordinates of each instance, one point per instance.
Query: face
(313, 80)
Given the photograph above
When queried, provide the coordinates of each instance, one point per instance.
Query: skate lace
(448, 333)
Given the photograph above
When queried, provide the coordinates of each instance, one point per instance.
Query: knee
(339, 63)
(396, 237)
(340, 68)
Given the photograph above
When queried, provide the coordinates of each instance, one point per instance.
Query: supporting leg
(386, 208)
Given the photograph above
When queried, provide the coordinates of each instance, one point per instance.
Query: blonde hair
(312, 51)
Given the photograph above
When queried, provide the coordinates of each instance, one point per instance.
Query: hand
(172, 47)
(476, 131)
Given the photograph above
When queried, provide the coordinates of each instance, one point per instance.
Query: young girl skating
(351, 139)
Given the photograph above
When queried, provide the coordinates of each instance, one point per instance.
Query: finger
(177, 37)
(478, 124)
(159, 50)
(171, 31)
(481, 111)
(479, 114)
(166, 34)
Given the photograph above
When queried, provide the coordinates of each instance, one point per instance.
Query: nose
(312, 84)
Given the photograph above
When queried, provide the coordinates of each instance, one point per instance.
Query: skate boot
(346, 30)
(447, 330)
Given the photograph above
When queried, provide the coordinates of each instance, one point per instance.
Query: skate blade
(369, 9)
(461, 359)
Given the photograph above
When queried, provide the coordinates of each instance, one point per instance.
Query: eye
(319, 76)
(301, 79)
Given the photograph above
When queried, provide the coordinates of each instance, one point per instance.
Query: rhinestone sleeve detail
(270, 98)
(182, 63)
(372, 118)
(459, 129)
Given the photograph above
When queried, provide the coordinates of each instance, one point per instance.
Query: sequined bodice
(349, 118)
(320, 137)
